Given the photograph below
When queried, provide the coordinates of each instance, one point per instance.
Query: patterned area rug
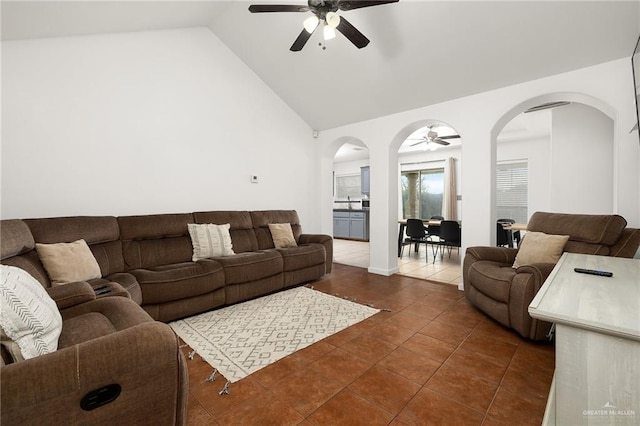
(243, 338)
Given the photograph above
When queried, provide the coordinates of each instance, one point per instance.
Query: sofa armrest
(71, 294)
(539, 270)
(144, 360)
(326, 241)
(495, 254)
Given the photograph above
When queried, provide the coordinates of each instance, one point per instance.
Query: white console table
(597, 376)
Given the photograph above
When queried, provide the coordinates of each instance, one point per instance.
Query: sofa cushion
(492, 279)
(262, 219)
(101, 233)
(538, 247)
(247, 267)
(28, 315)
(593, 229)
(243, 235)
(155, 240)
(166, 283)
(16, 238)
(210, 240)
(302, 256)
(282, 235)
(68, 262)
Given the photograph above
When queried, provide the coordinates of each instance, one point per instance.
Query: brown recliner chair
(113, 365)
(504, 293)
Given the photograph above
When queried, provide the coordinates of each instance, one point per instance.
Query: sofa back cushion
(262, 219)
(18, 249)
(243, 235)
(101, 233)
(154, 240)
(589, 234)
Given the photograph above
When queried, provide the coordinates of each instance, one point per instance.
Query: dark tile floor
(433, 359)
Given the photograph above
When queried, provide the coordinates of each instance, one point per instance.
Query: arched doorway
(351, 203)
(429, 182)
(556, 154)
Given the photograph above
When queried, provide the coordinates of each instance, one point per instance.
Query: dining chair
(505, 237)
(416, 234)
(450, 235)
(433, 235)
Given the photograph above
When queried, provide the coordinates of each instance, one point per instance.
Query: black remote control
(593, 272)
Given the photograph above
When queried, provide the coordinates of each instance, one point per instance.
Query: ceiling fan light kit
(324, 11)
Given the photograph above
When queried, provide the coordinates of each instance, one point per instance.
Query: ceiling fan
(325, 15)
(432, 136)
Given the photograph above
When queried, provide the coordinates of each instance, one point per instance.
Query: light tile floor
(445, 269)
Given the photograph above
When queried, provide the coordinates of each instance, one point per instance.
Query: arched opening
(555, 153)
(351, 202)
(428, 177)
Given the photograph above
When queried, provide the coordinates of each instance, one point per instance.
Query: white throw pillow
(68, 262)
(282, 235)
(28, 315)
(210, 240)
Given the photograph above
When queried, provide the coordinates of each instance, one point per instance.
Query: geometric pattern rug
(243, 338)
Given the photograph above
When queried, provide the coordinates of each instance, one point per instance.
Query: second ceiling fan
(433, 137)
(325, 15)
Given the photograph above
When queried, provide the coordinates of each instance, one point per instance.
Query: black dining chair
(505, 237)
(433, 235)
(450, 236)
(416, 234)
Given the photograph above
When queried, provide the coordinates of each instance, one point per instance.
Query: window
(512, 181)
(348, 186)
(422, 193)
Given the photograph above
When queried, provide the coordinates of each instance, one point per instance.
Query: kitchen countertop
(350, 210)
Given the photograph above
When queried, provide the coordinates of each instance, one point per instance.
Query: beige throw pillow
(68, 262)
(28, 315)
(282, 235)
(538, 247)
(210, 240)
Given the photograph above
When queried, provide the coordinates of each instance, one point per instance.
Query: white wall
(147, 122)
(479, 119)
(581, 160)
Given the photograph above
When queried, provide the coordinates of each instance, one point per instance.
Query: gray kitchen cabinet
(341, 224)
(364, 180)
(351, 224)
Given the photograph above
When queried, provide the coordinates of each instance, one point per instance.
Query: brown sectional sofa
(492, 285)
(148, 260)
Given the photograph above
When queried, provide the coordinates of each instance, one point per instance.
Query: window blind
(348, 186)
(512, 182)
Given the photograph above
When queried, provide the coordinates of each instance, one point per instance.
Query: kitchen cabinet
(351, 224)
(341, 224)
(364, 180)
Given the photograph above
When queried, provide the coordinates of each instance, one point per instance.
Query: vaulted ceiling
(421, 52)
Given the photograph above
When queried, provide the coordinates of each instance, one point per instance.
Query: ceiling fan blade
(301, 41)
(350, 5)
(261, 8)
(418, 143)
(440, 141)
(449, 137)
(350, 32)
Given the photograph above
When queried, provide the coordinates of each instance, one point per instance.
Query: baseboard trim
(385, 272)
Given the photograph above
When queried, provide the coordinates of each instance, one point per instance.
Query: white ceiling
(421, 52)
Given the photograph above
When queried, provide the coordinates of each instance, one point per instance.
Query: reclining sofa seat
(102, 235)
(492, 285)
(157, 251)
(103, 341)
